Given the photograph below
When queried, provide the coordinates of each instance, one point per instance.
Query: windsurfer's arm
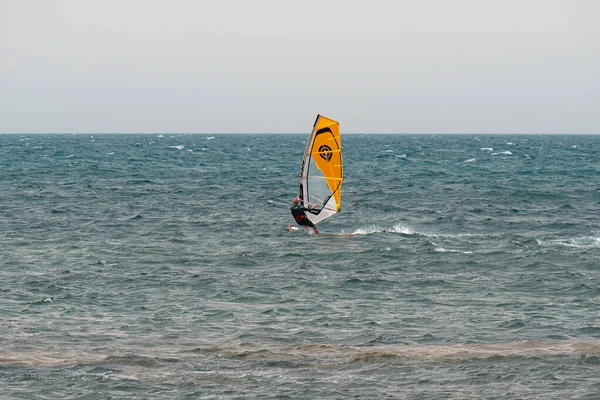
(306, 206)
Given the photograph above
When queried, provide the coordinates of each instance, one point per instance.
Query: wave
(444, 250)
(408, 231)
(401, 229)
(583, 242)
(321, 354)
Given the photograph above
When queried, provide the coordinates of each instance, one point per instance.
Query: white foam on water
(180, 147)
(404, 230)
(583, 242)
(408, 231)
(401, 229)
(367, 231)
(503, 153)
(445, 250)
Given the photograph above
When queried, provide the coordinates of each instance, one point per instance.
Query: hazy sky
(210, 66)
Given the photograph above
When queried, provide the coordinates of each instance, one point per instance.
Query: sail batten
(322, 170)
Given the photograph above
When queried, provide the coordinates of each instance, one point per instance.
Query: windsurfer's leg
(313, 227)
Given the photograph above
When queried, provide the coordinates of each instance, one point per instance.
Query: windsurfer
(298, 211)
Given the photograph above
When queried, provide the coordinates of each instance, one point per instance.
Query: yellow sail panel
(327, 154)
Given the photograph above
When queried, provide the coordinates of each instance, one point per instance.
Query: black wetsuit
(300, 217)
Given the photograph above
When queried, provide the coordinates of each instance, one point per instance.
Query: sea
(160, 266)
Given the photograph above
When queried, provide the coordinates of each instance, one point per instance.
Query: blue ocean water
(160, 266)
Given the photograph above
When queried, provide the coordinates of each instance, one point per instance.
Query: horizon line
(297, 133)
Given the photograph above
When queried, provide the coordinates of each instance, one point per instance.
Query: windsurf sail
(322, 172)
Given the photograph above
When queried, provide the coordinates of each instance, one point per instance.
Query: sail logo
(325, 152)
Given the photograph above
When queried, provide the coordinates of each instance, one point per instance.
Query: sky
(270, 66)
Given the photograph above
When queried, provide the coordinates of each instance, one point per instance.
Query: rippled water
(160, 266)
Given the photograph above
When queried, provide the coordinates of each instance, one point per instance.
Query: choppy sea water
(160, 266)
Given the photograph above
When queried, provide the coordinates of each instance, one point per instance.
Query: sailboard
(322, 172)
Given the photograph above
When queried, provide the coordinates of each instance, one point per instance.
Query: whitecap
(583, 242)
(444, 250)
(404, 230)
(487, 149)
(470, 160)
(180, 147)
(210, 138)
(367, 231)
(103, 262)
(503, 153)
